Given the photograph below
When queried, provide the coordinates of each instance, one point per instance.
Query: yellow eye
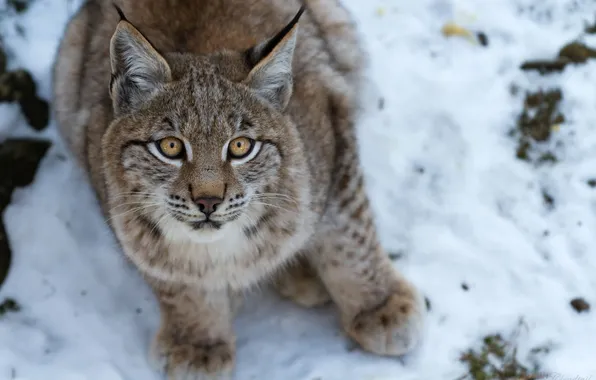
(171, 147)
(240, 147)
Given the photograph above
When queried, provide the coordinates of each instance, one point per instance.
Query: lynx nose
(208, 205)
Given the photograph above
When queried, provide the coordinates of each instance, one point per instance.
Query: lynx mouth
(206, 224)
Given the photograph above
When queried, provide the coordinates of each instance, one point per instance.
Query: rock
(19, 159)
(577, 52)
(19, 86)
(36, 111)
(580, 305)
(2, 60)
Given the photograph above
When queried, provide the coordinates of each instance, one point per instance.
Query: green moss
(498, 359)
(539, 116)
(540, 113)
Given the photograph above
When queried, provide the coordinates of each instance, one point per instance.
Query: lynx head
(200, 144)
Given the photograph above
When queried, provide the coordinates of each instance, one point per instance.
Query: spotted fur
(294, 212)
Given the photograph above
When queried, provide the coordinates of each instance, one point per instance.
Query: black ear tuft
(271, 61)
(256, 53)
(120, 13)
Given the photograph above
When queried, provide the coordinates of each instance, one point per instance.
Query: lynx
(221, 145)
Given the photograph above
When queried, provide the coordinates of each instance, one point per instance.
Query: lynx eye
(240, 147)
(170, 147)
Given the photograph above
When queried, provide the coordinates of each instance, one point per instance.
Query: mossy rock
(577, 52)
(19, 86)
(19, 159)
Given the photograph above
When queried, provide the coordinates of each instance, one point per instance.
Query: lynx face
(196, 153)
(204, 158)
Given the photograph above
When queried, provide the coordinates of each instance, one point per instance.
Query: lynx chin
(219, 137)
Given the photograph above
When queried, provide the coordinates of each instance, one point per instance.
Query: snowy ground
(449, 194)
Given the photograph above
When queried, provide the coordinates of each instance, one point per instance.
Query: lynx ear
(138, 70)
(271, 76)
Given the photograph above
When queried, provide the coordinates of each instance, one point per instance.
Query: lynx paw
(302, 285)
(185, 360)
(392, 328)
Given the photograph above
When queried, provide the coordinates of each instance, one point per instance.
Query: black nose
(208, 205)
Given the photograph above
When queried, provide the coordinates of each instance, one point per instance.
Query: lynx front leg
(379, 308)
(195, 340)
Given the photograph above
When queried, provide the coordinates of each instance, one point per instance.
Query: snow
(10, 118)
(447, 190)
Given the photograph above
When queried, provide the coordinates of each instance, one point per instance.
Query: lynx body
(220, 139)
